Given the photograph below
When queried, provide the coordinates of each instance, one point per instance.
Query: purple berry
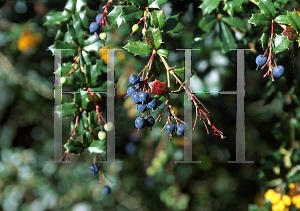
(260, 60)
(143, 97)
(170, 128)
(180, 129)
(130, 91)
(106, 190)
(278, 71)
(94, 168)
(94, 27)
(99, 18)
(150, 121)
(134, 79)
(135, 98)
(152, 104)
(141, 108)
(139, 123)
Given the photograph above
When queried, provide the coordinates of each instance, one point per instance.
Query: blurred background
(148, 179)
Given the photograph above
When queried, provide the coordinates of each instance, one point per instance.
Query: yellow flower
(28, 40)
(296, 199)
(275, 198)
(281, 206)
(287, 200)
(291, 185)
(269, 194)
(103, 53)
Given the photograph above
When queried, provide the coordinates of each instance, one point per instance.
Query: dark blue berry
(138, 84)
(94, 27)
(130, 148)
(150, 121)
(94, 168)
(260, 60)
(135, 98)
(106, 190)
(130, 91)
(139, 123)
(170, 128)
(152, 104)
(99, 16)
(143, 97)
(278, 71)
(134, 79)
(180, 129)
(141, 108)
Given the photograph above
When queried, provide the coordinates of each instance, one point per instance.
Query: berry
(94, 27)
(99, 16)
(141, 108)
(149, 121)
(260, 60)
(108, 126)
(278, 71)
(103, 36)
(180, 129)
(138, 84)
(130, 148)
(152, 104)
(106, 190)
(102, 135)
(94, 168)
(170, 128)
(139, 123)
(130, 91)
(135, 98)
(143, 97)
(134, 79)
(143, 31)
(135, 27)
(63, 80)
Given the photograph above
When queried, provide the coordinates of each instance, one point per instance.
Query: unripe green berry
(63, 80)
(102, 135)
(135, 27)
(108, 126)
(144, 31)
(103, 36)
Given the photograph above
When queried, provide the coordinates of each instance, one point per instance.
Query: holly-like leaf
(92, 44)
(97, 147)
(264, 40)
(69, 48)
(137, 48)
(84, 99)
(294, 20)
(160, 99)
(72, 33)
(70, 6)
(79, 32)
(158, 18)
(157, 66)
(131, 13)
(115, 16)
(259, 19)
(290, 33)
(205, 26)
(180, 73)
(281, 43)
(68, 109)
(58, 18)
(74, 146)
(282, 19)
(227, 37)
(79, 78)
(267, 8)
(208, 6)
(173, 25)
(77, 100)
(93, 120)
(235, 22)
(156, 3)
(153, 38)
(86, 139)
(231, 5)
(66, 68)
(163, 52)
(139, 3)
(84, 18)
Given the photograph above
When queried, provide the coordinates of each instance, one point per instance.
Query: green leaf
(77, 100)
(68, 109)
(158, 18)
(88, 79)
(84, 120)
(282, 19)
(58, 18)
(180, 73)
(173, 25)
(294, 20)
(72, 33)
(227, 38)
(66, 68)
(86, 139)
(79, 32)
(231, 5)
(97, 147)
(264, 40)
(85, 56)
(70, 49)
(153, 38)
(70, 6)
(235, 22)
(179, 91)
(138, 48)
(84, 19)
(74, 146)
(79, 129)
(205, 26)
(267, 8)
(139, 3)
(131, 13)
(84, 99)
(156, 3)
(93, 120)
(79, 78)
(157, 67)
(92, 44)
(115, 16)
(208, 6)
(163, 52)
(160, 99)
(259, 19)
(281, 43)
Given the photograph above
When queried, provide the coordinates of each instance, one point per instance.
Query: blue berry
(135, 98)
(130, 91)
(99, 16)
(180, 129)
(150, 121)
(141, 108)
(106, 190)
(260, 60)
(94, 168)
(170, 128)
(130, 148)
(139, 123)
(134, 79)
(152, 104)
(278, 71)
(139, 83)
(144, 97)
(94, 27)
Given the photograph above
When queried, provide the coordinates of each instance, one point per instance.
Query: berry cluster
(277, 71)
(94, 169)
